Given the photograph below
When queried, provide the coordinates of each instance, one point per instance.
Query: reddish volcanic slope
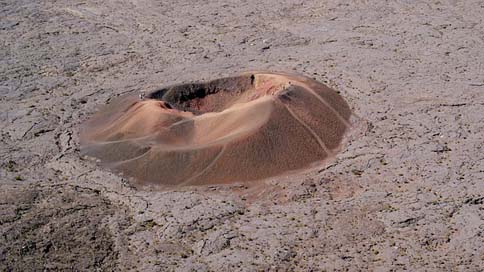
(243, 128)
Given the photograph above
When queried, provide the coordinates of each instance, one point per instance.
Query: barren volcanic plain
(403, 189)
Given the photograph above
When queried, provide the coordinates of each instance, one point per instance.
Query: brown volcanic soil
(405, 193)
(236, 129)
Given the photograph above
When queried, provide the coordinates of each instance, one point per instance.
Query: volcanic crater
(236, 129)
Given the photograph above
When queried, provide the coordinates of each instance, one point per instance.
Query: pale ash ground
(407, 193)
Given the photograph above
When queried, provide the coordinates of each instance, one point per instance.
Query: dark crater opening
(200, 98)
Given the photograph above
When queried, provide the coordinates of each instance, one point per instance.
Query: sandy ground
(406, 193)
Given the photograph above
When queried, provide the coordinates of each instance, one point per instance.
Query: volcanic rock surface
(405, 193)
(241, 128)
